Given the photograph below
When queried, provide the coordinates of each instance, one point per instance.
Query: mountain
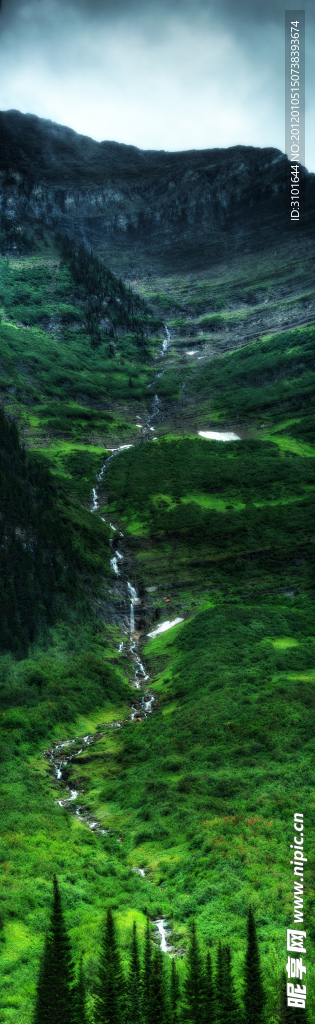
(154, 769)
(195, 206)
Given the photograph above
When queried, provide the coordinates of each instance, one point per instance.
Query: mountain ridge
(35, 124)
(184, 814)
(108, 192)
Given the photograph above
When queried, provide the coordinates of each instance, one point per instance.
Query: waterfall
(114, 561)
(156, 407)
(133, 599)
(166, 340)
(160, 924)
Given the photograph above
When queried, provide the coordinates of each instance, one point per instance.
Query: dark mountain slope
(108, 193)
(43, 559)
(36, 554)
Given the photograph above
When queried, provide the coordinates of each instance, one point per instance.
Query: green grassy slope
(68, 400)
(200, 795)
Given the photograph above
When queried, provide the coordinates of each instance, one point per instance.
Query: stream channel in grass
(60, 755)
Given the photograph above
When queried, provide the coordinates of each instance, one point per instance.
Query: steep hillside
(172, 796)
(172, 210)
(38, 567)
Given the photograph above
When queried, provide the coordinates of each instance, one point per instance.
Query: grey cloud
(270, 11)
(172, 75)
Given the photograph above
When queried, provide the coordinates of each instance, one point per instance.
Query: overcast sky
(173, 74)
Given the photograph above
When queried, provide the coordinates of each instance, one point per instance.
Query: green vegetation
(100, 295)
(41, 560)
(254, 991)
(271, 377)
(201, 794)
(55, 996)
(73, 372)
(146, 994)
(59, 350)
(110, 996)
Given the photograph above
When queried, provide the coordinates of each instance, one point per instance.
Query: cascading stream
(133, 600)
(161, 926)
(59, 760)
(114, 561)
(58, 756)
(144, 707)
(166, 340)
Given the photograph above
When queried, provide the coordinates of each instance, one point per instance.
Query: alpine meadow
(157, 525)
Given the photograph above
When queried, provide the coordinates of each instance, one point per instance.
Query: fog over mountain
(171, 75)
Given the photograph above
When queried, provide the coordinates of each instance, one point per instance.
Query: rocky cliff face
(188, 205)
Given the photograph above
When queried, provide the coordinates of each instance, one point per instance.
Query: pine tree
(254, 996)
(146, 975)
(193, 985)
(55, 1002)
(80, 997)
(219, 985)
(231, 1010)
(134, 1012)
(110, 997)
(209, 998)
(175, 994)
(134, 958)
(158, 1008)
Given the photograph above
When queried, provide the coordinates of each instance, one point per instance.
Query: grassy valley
(199, 795)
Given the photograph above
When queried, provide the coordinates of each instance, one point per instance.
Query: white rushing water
(133, 600)
(58, 758)
(147, 703)
(114, 562)
(161, 926)
(164, 626)
(59, 761)
(158, 375)
(140, 670)
(166, 341)
(219, 435)
(156, 408)
(67, 800)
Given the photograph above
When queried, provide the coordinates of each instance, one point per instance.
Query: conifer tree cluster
(208, 991)
(104, 295)
(36, 554)
(58, 998)
(150, 991)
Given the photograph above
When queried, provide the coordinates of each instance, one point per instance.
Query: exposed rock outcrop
(191, 205)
